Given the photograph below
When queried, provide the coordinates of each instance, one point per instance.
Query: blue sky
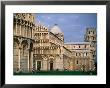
(73, 25)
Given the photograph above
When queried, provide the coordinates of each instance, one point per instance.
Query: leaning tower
(91, 36)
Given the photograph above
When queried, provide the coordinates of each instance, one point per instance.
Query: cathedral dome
(55, 29)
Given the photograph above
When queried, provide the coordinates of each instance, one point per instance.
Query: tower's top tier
(91, 35)
(91, 31)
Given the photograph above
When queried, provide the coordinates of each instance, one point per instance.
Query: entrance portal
(38, 65)
(51, 65)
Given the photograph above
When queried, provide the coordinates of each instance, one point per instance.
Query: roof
(77, 43)
(81, 50)
(55, 29)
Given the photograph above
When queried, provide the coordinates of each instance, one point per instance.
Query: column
(28, 50)
(29, 32)
(19, 55)
(16, 28)
(85, 64)
(32, 32)
(23, 30)
(31, 61)
(20, 28)
(26, 30)
(28, 59)
(35, 64)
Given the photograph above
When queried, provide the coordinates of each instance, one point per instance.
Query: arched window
(51, 63)
(25, 29)
(24, 48)
(93, 38)
(85, 46)
(93, 32)
(79, 46)
(79, 54)
(77, 62)
(76, 54)
(86, 54)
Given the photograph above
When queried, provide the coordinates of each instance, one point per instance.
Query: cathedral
(38, 48)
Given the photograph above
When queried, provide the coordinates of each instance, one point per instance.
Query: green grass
(58, 73)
